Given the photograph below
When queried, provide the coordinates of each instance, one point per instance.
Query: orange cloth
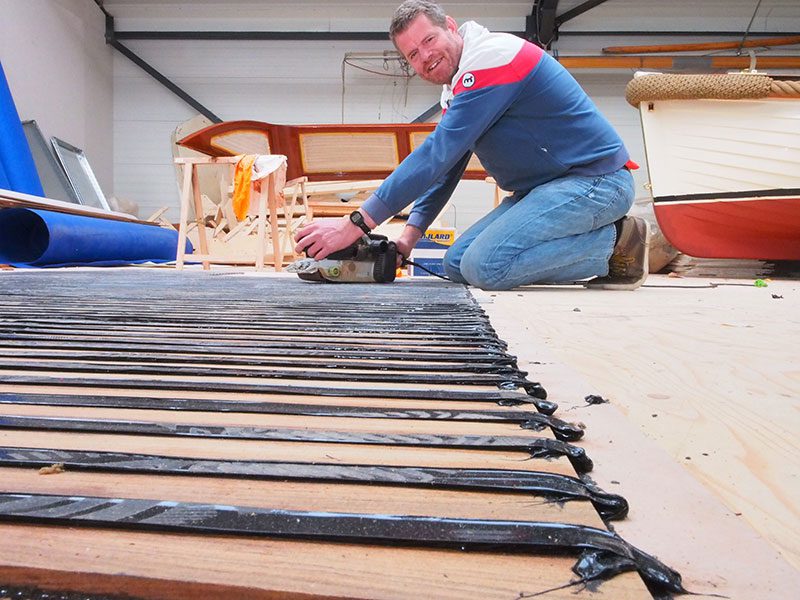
(242, 181)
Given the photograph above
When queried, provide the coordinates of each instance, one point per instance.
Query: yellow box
(430, 250)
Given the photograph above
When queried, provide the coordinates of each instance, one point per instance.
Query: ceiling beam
(578, 10)
(113, 41)
(540, 25)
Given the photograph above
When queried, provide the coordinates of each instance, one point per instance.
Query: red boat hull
(737, 226)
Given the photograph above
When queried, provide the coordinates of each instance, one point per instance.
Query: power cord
(407, 261)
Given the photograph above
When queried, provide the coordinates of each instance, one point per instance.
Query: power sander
(371, 259)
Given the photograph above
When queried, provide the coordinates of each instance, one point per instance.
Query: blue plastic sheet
(4, 184)
(15, 154)
(32, 237)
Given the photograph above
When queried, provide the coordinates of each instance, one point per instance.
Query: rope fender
(736, 86)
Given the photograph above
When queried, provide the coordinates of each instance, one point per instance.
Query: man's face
(433, 52)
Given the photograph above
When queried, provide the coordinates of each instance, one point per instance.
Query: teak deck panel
(169, 565)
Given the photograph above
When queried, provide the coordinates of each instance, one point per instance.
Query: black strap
(602, 554)
(534, 421)
(536, 447)
(505, 398)
(553, 486)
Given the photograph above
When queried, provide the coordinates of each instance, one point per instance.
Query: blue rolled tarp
(18, 168)
(38, 238)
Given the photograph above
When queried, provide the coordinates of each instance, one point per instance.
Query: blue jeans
(561, 231)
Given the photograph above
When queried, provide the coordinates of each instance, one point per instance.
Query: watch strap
(358, 220)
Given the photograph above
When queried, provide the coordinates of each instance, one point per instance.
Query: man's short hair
(410, 10)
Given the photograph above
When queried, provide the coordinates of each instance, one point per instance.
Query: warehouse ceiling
(600, 16)
(581, 33)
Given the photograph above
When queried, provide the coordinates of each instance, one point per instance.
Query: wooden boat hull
(749, 226)
(725, 175)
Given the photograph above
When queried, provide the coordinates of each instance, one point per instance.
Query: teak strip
(186, 567)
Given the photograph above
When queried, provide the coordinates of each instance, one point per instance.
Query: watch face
(358, 219)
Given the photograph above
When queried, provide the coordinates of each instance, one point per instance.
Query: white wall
(60, 73)
(273, 81)
(300, 81)
(283, 82)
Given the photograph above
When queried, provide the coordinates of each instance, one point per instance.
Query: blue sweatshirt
(519, 111)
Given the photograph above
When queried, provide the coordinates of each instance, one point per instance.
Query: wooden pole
(668, 62)
(789, 40)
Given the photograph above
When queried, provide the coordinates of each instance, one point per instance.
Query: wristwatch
(357, 219)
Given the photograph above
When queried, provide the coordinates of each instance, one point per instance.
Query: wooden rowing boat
(725, 174)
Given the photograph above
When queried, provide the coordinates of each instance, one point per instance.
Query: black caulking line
(536, 447)
(471, 379)
(450, 326)
(222, 337)
(563, 430)
(432, 353)
(238, 311)
(505, 398)
(236, 349)
(422, 340)
(364, 328)
(434, 313)
(552, 486)
(602, 554)
(245, 359)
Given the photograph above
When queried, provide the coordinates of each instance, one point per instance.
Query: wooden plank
(11, 199)
(314, 188)
(788, 40)
(303, 496)
(460, 379)
(289, 399)
(668, 62)
(437, 427)
(286, 451)
(186, 567)
(76, 377)
(281, 360)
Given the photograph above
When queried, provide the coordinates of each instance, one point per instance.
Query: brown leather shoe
(627, 267)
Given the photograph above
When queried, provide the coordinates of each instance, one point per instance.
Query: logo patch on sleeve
(468, 80)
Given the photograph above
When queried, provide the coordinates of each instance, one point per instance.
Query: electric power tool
(371, 259)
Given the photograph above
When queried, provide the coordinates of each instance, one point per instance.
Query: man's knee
(451, 266)
(483, 274)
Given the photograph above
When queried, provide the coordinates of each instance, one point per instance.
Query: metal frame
(82, 179)
(54, 179)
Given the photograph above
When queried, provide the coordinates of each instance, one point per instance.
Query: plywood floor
(707, 372)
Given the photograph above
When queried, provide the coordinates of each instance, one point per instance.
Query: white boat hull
(725, 175)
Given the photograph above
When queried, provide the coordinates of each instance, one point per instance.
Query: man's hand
(325, 236)
(406, 242)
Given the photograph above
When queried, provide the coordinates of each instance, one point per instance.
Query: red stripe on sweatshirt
(517, 69)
